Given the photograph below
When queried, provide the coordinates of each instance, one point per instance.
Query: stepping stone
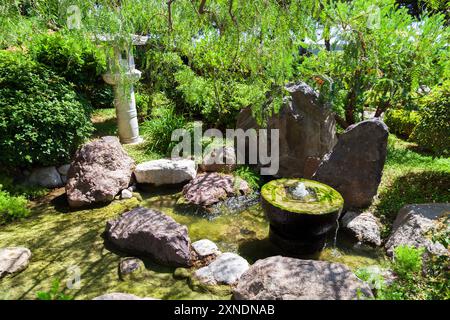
(13, 260)
(165, 171)
(226, 269)
(205, 248)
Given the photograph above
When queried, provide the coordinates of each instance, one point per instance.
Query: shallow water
(60, 239)
(246, 233)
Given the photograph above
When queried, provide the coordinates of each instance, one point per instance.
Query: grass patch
(410, 177)
(104, 121)
(105, 124)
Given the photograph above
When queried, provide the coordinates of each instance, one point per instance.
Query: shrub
(250, 175)
(413, 279)
(408, 261)
(42, 119)
(401, 122)
(433, 131)
(55, 293)
(16, 188)
(159, 127)
(78, 61)
(11, 207)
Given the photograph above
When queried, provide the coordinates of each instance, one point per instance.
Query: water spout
(300, 191)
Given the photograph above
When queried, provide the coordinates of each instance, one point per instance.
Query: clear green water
(60, 239)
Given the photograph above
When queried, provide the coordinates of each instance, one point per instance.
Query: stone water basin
(301, 213)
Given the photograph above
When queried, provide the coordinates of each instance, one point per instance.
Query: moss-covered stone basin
(301, 212)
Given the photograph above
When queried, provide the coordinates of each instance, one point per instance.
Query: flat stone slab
(165, 171)
(205, 248)
(226, 269)
(283, 278)
(412, 224)
(13, 260)
(121, 296)
(151, 233)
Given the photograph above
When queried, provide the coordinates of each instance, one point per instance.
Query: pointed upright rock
(355, 165)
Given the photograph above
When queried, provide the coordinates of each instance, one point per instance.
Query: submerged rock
(364, 226)
(165, 171)
(355, 165)
(130, 266)
(152, 233)
(121, 296)
(210, 188)
(205, 248)
(226, 269)
(99, 171)
(235, 204)
(13, 260)
(283, 278)
(412, 224)
(126, 194)
(47, 177)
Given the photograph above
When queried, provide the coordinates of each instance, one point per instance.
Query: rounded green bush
(433, 131)
(401, 122)
(42, 119)
(80, 62)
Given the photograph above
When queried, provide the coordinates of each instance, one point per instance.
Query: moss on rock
(328, 200)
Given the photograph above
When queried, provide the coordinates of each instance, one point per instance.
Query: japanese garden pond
(61, 240)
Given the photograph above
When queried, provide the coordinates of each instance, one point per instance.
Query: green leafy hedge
(401, 122)
(42, 119)
(78, 61)
(433, 131)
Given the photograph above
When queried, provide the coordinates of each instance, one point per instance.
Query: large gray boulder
(13, 260)
(151, 233)
(225, 269)
(283, 278)
(99, 171)
(306, 127)
(166, 171)
(413, 223)
(355, 165)
(364, 226)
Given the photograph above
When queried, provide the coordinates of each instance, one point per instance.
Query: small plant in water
(54, 293)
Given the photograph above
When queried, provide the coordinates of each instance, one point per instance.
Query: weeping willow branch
(169, 15)
(201, 8)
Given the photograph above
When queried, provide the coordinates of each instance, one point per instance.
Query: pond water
(246, 233)
(60, 239)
